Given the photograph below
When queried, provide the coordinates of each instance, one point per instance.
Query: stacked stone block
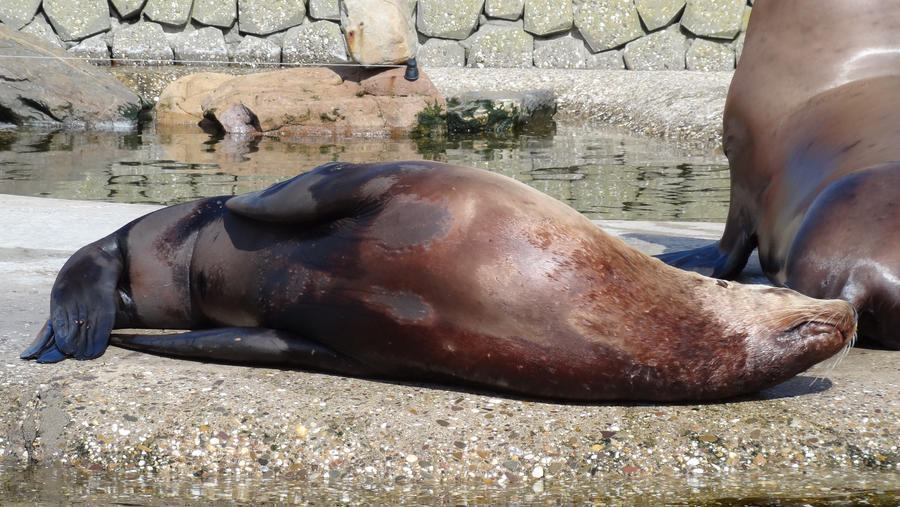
(703, 35)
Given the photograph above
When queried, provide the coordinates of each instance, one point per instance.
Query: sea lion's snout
(825, 328)
(842, 325)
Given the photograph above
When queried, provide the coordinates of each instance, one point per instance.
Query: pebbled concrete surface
(191, 432)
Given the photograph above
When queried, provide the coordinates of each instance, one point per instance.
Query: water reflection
(70, 485)
(602, 174)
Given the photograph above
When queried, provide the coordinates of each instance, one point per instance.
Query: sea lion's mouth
(815, 328)
(812, 329)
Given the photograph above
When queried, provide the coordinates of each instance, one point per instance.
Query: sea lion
(428, 271)
(812, 136)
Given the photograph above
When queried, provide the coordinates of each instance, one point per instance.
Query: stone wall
(578, 34)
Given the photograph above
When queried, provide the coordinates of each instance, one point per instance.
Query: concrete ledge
(170, 422)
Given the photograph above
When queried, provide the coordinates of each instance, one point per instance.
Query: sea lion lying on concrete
(812, 135)
(428, 271)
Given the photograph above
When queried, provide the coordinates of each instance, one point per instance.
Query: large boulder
(180, 103)
(305, 101)
(378, 32)
(57, 91)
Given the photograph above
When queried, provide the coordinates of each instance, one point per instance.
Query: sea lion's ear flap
(82, 306)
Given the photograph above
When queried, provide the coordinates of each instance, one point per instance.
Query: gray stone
(169, 12)
(713, 18)
(500, 45)
(77, 19)
(202, 46)
(43, 85)
(221, 13)
(128, 8)
(658, 13)
(262, 17)
(18, 13)
(174, 34)
(143, 42)
(606, 24)
(255, 50)
(707, 55)
(40, 28)
(441, 53)
(277, 37)
(606, 60)
(498, 112)
(93, 48)
(562, 52)
(238, 119)
(325, 9)
(545, 17)
(504, 9)
(378, 31)
(316, 42)
(448, 19)
(233, 35)
(662, 50)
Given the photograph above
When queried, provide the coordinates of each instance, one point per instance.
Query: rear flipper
(82, 306)
(246, 345)
(706, 260)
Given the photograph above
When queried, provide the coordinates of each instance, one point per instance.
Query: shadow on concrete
(752, 272)
(671, 243)
(801, 385)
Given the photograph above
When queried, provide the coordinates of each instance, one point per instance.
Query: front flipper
(43, 349)
(82, 306)
(245, 345)
(706, 260)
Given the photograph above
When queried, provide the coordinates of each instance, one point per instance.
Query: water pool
(603, 174)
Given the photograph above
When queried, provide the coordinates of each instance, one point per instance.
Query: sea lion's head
(776, 332)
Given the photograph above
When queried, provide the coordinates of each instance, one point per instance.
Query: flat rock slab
(43, 85)
(309, 101)
(181, 425)
(679, 105)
